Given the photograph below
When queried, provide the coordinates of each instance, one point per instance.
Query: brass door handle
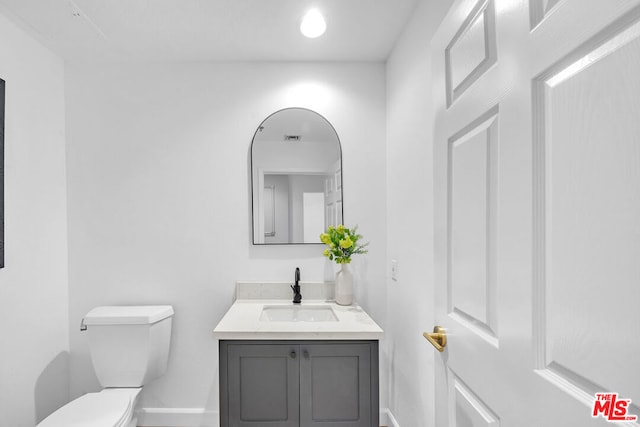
(438, 338)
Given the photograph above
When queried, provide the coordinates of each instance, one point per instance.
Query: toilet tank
(129, 345)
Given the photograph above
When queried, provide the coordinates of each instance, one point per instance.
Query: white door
(312, 216)
(537, 186)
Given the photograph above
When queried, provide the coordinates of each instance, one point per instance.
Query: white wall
(410, 218)
(275, 156)
(159, 197)
(33, 285)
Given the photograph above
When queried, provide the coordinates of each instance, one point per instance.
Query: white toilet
(129, 347)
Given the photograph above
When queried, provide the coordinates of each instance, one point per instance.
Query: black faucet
(297, 297)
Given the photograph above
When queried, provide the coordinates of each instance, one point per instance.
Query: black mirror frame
(253, 237)
(2, 103)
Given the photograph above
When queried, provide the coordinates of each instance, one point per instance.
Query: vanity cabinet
(299, 383)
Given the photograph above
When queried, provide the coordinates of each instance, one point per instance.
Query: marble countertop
(242, 321)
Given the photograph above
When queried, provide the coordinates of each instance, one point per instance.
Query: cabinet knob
(292, 354)
(305, 354)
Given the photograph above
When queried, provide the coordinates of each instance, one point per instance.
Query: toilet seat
(111, 407)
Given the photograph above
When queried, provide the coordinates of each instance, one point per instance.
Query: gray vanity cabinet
(299, 384)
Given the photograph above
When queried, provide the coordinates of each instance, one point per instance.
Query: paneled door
(537, 195)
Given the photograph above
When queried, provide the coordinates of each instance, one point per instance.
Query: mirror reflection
(296, 174)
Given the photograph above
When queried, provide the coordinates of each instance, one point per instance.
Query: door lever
(438, 338)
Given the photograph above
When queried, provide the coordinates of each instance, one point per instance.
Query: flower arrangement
(342, 243)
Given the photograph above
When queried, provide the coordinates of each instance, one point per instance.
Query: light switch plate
(394, 270)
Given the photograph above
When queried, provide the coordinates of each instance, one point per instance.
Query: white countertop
(242, 322)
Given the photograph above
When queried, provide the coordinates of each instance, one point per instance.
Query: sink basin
(291, 313)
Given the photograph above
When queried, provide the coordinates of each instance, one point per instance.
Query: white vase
(344, 286)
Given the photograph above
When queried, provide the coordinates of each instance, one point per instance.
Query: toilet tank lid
(128, 315)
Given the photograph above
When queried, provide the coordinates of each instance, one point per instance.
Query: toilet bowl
(129, 347)
(111, 407)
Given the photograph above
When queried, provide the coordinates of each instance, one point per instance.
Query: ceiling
(211, 30)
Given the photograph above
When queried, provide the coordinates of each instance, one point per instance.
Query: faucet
(297, 297)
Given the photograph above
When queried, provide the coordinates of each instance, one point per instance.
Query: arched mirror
(296, 178)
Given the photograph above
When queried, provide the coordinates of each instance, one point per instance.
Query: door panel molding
(472, 51)
(472, 225)
(612, 53)
(466, 404)
(540, 9)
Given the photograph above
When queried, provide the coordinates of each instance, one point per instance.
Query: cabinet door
(336, 385)
(263, 385)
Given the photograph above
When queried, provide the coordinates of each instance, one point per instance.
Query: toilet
(129, 347)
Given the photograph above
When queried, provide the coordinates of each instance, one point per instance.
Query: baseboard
(200, 417)
(177, 417)
(387, 418)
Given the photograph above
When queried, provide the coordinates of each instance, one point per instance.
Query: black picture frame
(2, 85)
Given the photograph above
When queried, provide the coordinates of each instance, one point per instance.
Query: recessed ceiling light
(313, 24)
